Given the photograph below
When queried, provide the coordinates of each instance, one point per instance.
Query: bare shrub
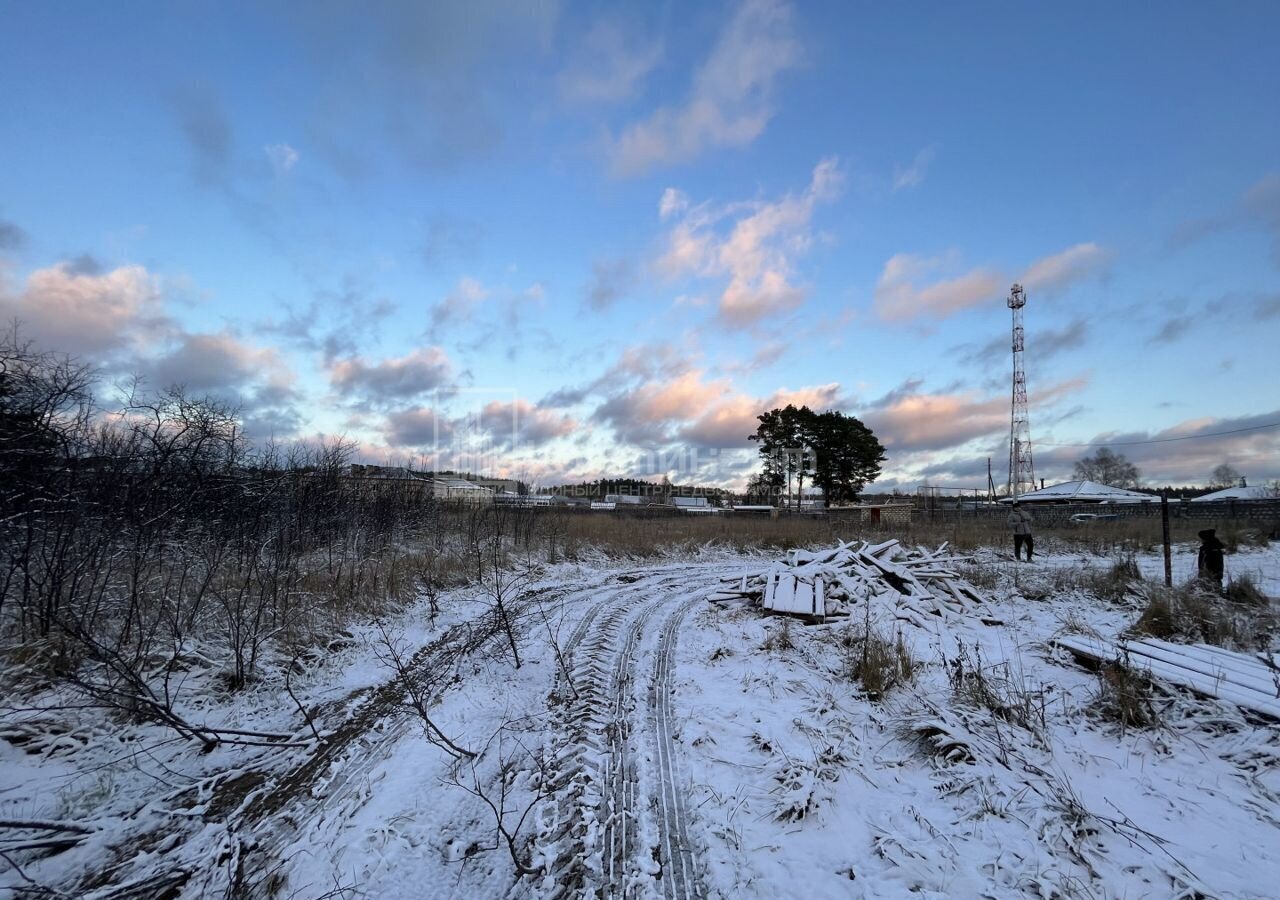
(138, 541)
(515, 767)
(1235, 536)
(419, 686)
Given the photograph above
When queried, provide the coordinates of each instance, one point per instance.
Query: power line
(1185, 437)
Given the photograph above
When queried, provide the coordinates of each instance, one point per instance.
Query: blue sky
(568, 240)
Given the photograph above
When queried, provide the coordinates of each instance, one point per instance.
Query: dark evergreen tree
(839, 453)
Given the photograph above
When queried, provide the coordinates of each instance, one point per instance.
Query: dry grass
(1125, 696)
(1116, 583)
(1191, 613)
(998, 688)
(1243, 589)
(1121, 537)
(642, 536)
(877, 661)
(781, 638)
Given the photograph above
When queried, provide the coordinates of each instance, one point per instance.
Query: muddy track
(594, 829)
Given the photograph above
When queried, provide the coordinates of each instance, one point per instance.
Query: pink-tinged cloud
(419, 429)
(458, 305)
(90, 313)
(1058, 271)
(912, 421)
(757, 254)
(645, 414)
(913, 287)
(218, 362)
(730, 422)
(519, 423)
(701, 412)
(903, 292)
(420, 371)
(730, 101)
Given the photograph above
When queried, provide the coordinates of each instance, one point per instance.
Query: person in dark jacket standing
(1020, 524)
(1209, 563)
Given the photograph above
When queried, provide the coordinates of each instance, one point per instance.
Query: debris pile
(829, 582)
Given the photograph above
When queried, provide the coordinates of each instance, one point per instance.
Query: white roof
(1084, 492)
(1252, 492)
(459, 484)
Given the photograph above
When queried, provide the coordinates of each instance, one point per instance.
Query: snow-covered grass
(987, 765)
(1013, 786)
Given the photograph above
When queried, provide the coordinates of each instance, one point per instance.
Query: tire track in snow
(341, 766)
(680, 879)
(576, 829)
(594, 832)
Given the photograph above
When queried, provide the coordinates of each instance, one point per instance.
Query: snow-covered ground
(654, 744)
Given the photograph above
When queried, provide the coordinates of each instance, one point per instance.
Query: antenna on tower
(1022, 473)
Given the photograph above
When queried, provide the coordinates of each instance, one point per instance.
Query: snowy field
(654, 744)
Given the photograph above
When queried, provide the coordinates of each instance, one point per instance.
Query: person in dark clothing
(1209, 563)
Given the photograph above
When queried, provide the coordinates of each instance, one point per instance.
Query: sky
(561, 241)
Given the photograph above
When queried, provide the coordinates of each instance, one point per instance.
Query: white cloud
(608, 66)
(458, 304)
(283, 157)
(757, 254)
(673, 201)
(422, 370)
(913, 175)
(731, 99)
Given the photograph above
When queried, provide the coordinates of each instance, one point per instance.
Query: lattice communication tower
(1022, 473)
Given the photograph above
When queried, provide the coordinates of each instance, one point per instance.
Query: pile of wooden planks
(1252, 683)
(828, 582)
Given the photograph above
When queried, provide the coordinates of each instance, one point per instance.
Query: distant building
(510, 498)
(1243, 492)
(873, 513)
(371, 480)
(694, 506)
(1083, 492)
(498, 485)
(459, 490)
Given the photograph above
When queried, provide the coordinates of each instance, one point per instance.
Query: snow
(655, 748)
